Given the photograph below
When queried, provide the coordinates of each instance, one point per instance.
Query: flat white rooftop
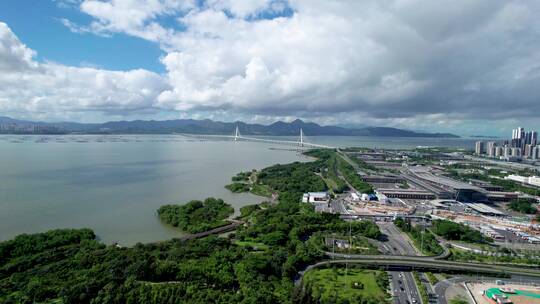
(317, 194)
(483, 208)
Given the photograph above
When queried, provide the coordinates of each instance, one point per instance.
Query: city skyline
(523, 144)
(398, 64)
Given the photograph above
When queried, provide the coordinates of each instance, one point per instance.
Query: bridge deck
(274, 141)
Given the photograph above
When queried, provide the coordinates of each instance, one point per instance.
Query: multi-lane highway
(396, 242)
(401, 257)
(403, 284)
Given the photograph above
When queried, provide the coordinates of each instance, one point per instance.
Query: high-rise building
(518, 137)
(507, 152)
(535, 153)
(480, 147)
(491, 148)
(516, 152)
(518, 133)
(498, 151)
(528, 150)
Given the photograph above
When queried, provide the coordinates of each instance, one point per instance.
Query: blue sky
(38, 24)
(468, 67)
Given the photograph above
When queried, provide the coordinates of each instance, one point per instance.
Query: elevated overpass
(424, 264)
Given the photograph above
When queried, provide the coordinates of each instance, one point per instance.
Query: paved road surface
(404, 287)
(442, 286)
(397, 243)
(338, 206)
(403, 284)
(230, 227)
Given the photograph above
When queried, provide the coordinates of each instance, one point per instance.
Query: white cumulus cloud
(394, 61)
(27, 86)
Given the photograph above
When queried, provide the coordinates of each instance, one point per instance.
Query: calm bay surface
(115, 183)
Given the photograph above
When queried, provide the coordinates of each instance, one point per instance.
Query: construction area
(505, 293)
(432, 184)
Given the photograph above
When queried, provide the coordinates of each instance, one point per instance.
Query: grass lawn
(261, 190)
(361, 245)
(333, 286)
(255, 245)
(330, 183)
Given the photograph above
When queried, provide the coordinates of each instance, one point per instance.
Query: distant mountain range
(207, 126)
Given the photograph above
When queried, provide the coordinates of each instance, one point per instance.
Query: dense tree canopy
(458, 232)
(197, 216)
(525, 206)
(293, 179)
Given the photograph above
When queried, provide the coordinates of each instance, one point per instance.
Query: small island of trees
(197, 216)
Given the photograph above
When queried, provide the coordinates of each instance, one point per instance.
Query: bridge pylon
(301, 142)
(236, 134)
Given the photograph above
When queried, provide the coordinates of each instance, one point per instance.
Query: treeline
(241, 182)
(339, 185)
(328, 168)
(352, 176)
(500, 256)
(241, 177)
(196, 216)
(526, 206)
(292, 179)
(238, 187)
(209, 270)
(458, 232)
(27, 244)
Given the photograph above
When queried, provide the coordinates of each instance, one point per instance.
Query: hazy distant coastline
(191, 126)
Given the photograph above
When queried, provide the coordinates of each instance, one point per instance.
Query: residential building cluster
(17, 128)
(523, 145)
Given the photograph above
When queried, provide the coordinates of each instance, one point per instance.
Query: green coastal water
(114, 184)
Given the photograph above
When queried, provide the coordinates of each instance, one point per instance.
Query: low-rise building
(407, 193)
(484, 209)
(321, 200)
(528, 180)
(499, 196)
(316, 197)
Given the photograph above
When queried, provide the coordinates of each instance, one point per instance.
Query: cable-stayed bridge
(301, 142)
